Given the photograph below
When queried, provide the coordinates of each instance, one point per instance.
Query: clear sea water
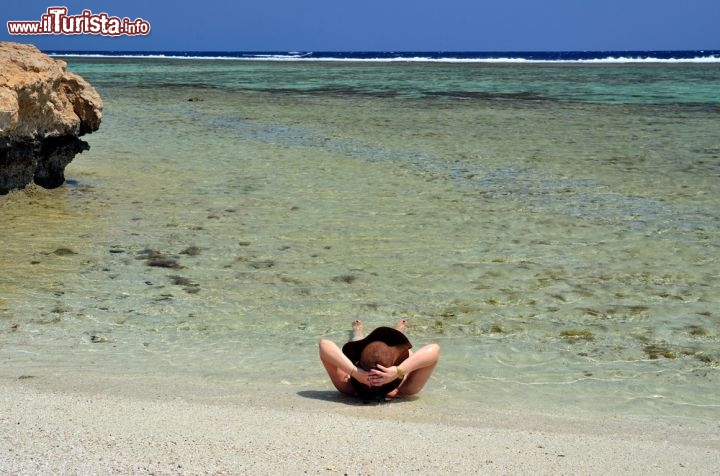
(555, 226)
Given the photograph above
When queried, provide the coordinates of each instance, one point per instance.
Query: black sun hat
(385, 346)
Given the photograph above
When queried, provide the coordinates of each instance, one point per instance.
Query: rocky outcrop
(43, 110)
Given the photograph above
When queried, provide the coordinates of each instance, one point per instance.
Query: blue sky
(400, 25)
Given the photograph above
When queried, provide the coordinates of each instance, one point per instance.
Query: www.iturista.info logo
(57, 22)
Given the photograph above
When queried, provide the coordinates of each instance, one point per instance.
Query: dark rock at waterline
(54, 155)
(42, 162)
(43, 110)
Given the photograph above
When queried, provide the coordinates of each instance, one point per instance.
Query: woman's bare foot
(402, 325)
(357, 328)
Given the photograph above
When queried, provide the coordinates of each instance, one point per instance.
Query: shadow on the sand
(337, 397)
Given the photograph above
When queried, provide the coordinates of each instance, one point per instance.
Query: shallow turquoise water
(554, 227)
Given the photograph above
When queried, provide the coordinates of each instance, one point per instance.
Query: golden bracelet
(400, 373)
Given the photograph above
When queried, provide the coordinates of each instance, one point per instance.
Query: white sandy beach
(50, 432)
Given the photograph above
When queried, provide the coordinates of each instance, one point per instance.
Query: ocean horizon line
(610, 56)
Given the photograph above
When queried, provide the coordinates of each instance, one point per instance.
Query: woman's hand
(361, 375)
(383, 375)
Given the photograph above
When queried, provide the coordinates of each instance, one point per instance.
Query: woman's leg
(335, 362)
(337, 365)
(418, 367)
(357, 330)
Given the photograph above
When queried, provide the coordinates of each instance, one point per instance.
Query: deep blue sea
(699, 56)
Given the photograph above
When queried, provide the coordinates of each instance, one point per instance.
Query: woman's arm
(415, 370)
(339, 367)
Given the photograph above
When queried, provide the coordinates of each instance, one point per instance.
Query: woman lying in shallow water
(381, 364)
